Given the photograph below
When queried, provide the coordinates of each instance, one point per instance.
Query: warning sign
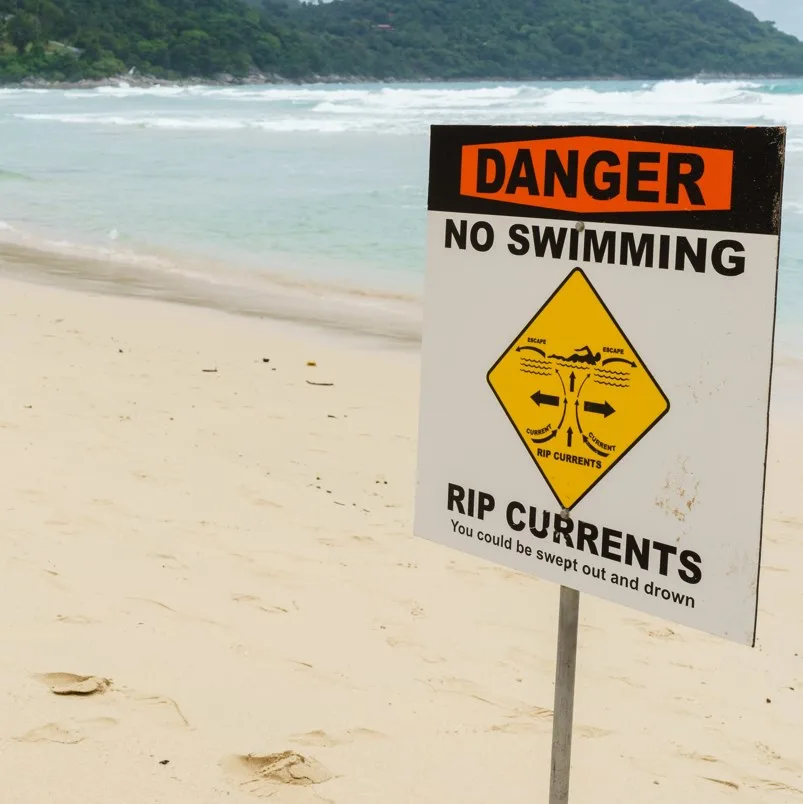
(578, 409)
(596, 359)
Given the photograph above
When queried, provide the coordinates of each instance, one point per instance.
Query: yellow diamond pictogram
(576, 391)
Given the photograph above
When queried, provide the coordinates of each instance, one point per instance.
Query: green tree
(23, 30)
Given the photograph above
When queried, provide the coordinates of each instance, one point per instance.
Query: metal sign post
(564, 696)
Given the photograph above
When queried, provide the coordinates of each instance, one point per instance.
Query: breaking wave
(409, 109)
(188, 123)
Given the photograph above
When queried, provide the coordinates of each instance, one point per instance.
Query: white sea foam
(9, 91)
(68, 248)
(124, 90)
(408, 109)
(279, 124)
(196, 123)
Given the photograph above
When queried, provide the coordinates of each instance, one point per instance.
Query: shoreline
(390, 319)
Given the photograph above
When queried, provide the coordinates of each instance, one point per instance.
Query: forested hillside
(167, 38)
(522, 39)
(389, 39)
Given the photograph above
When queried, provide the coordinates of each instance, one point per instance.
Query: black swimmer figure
(581, 355)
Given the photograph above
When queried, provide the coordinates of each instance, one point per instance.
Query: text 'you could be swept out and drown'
(603, 553)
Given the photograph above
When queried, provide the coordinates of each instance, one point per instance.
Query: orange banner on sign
(604, 175)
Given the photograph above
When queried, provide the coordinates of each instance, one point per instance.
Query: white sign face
(596, 361)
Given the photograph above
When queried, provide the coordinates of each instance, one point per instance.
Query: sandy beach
(224, 533)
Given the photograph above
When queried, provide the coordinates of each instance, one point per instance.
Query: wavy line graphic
(542, 373)
(614, 384)
(575, 366)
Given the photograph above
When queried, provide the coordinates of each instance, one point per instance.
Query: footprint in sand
(539, 719)
(67, 684)
(67, 732)
(322, 739)
(72, 684)
(264, 774)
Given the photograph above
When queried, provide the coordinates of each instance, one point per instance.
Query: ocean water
(302, 201)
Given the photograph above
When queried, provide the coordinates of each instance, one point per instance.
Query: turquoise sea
(305, 200)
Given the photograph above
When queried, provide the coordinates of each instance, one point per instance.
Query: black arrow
(618, 360)
(560, 423)
(562, 384)
(572, 378)
(530, 349)
(595, 407)
(580, 389)
(569, 434)
(545, 399)
(551, 435)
